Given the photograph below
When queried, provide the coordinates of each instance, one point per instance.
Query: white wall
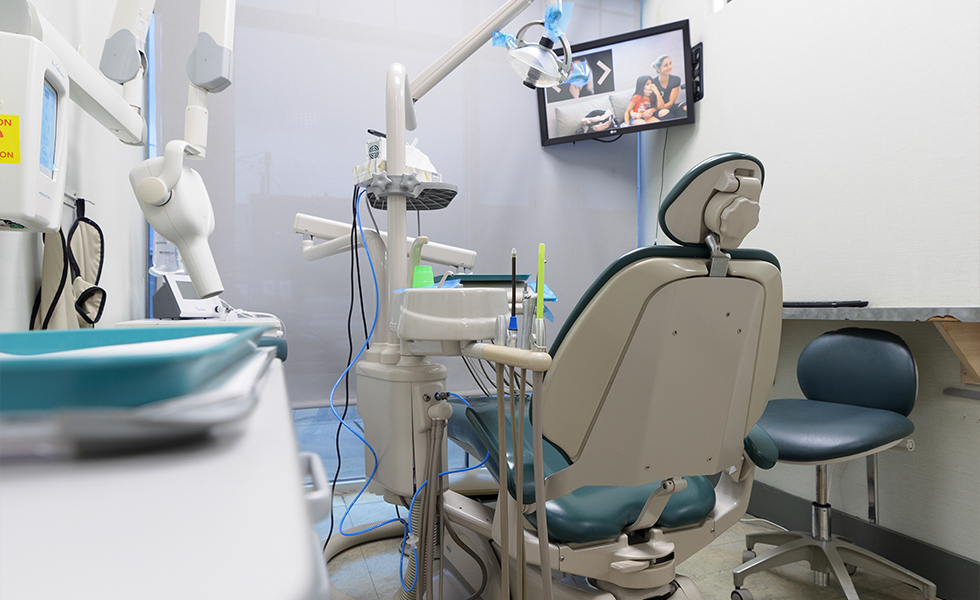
(98, 169)
(865, 117)
(872, 192)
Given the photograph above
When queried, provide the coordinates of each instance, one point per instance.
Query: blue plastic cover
(580, 74)
(556, 19)
(115, 368)
(504, 39)
(549, 296)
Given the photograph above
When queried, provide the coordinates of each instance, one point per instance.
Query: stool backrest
(862, 367)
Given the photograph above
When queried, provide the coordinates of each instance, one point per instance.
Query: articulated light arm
(465, 48)
(400, 115)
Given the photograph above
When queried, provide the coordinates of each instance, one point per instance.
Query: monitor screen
(187, 290)
(49, 120)
(621, 84)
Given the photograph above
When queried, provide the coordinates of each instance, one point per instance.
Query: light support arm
(445, 64)
(400, 115)
(397, 103)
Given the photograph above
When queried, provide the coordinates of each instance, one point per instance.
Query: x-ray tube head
(185, 218)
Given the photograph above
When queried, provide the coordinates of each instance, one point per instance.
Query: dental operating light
(537, 64)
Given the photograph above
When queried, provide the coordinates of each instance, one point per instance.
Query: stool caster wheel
(747, 555)
(742, 594)
(851, 569)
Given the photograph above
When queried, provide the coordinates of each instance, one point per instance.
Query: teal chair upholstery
(859, 386)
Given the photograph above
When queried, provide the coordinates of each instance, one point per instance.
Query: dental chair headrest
(720, 195)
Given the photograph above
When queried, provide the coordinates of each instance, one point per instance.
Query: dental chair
(658, 376)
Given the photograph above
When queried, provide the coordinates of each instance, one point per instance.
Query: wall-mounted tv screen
(621, 84)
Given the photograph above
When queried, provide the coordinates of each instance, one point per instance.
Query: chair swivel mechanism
(859, 387)
(658, 375)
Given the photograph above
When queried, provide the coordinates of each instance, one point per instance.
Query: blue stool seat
(589, 514)
(818, 432)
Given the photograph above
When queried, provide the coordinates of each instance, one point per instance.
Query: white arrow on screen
(605, 72)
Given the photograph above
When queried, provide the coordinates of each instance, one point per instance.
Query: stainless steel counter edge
(967, 314)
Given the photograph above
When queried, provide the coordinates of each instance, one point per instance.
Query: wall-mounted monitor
(622, 84)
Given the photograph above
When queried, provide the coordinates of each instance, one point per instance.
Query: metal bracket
(382, 185)
(418, 195)
(718, 263)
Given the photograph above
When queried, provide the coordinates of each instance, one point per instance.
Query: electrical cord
(479, 383)
(371, 214)
(344, 423)
(663, 165)
(357, 262)
(350, 354)
(758, 520)
(483, 368)
(608, 141)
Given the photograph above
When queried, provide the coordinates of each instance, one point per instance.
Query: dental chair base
(463, 576)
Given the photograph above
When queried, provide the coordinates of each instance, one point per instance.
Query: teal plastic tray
(105, 368)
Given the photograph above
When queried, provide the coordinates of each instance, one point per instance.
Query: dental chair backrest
(661, 370)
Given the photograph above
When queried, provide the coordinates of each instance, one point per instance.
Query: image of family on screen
(629, 84)
(656, 98)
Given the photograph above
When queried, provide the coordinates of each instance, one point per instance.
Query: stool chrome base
(824, 557)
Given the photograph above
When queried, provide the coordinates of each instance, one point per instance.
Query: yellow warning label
(9, 139)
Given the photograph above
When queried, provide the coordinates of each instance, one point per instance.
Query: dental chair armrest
(760, 448)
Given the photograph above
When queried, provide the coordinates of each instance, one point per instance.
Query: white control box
(33, 115)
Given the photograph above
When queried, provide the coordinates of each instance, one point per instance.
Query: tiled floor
(370, 572)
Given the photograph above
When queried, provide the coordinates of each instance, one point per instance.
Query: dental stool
(658, 375)
(860, 385)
